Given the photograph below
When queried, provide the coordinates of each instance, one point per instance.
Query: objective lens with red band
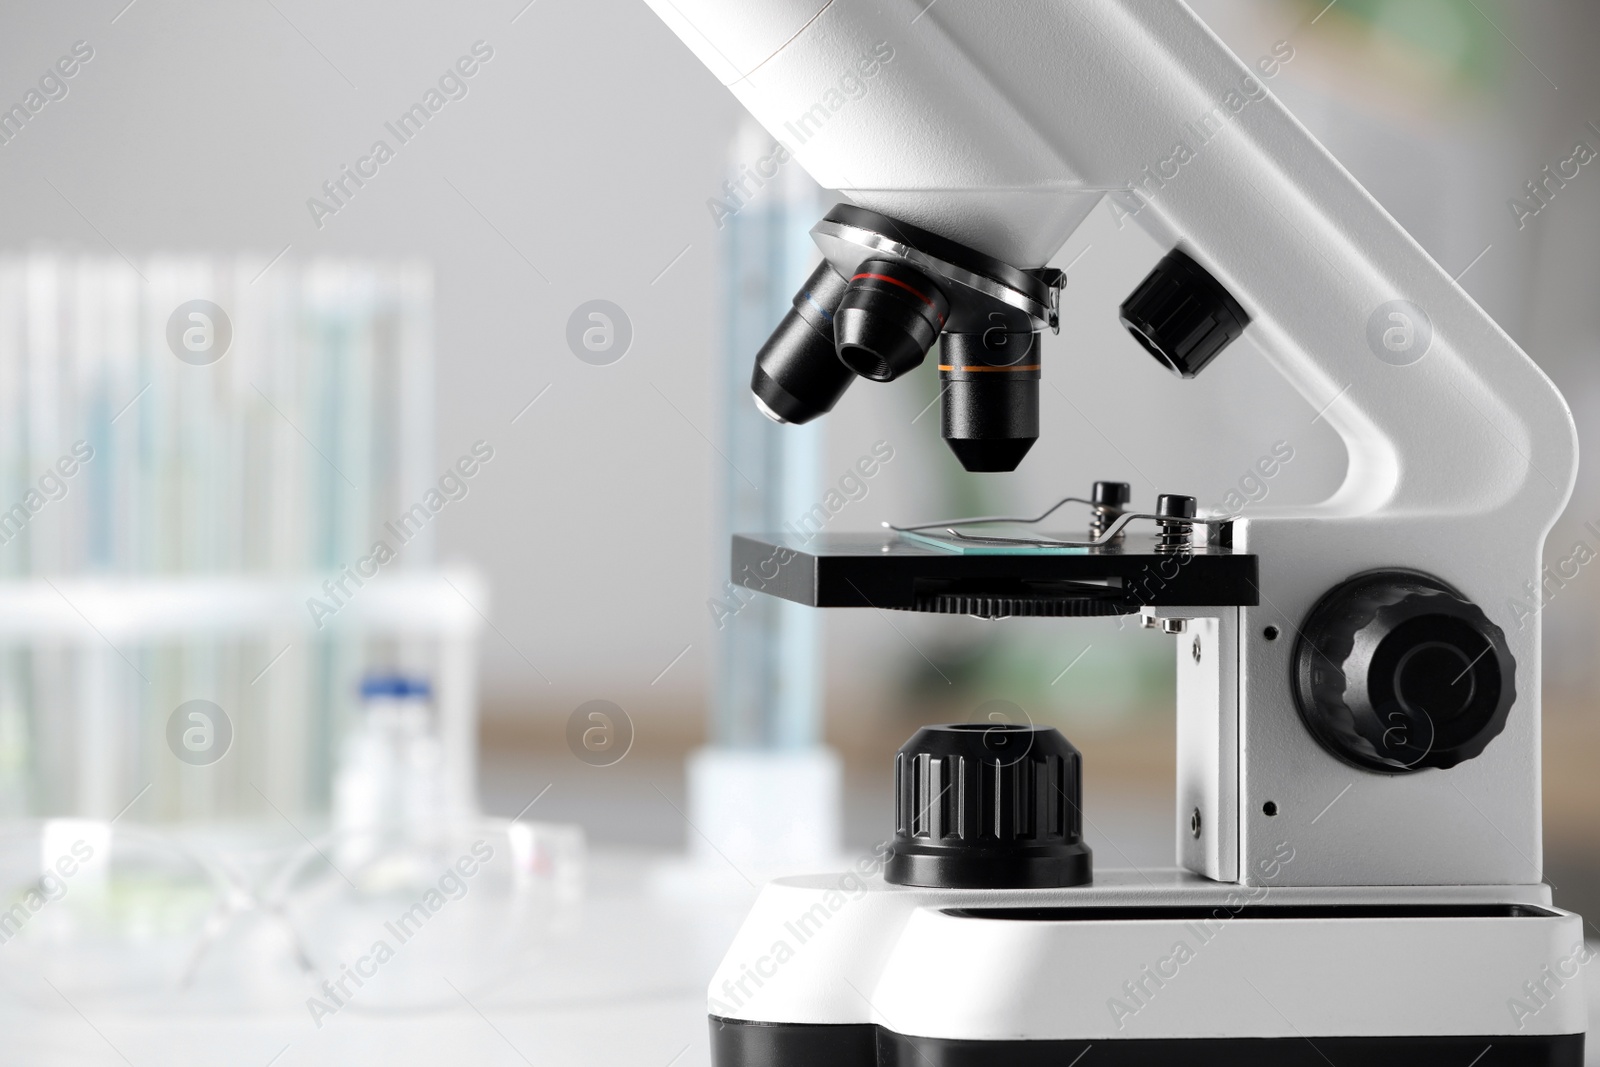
(890, 317)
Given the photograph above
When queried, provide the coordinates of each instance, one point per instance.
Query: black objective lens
(889, 318)
(990, 412)
(798, 376)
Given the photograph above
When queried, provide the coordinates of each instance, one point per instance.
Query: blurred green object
(1457, 37)
(1067, 673)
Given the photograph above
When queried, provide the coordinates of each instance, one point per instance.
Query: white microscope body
(1409, 921)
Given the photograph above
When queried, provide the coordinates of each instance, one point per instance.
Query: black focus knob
(1183, 316)
(1397, 671)
(988, 806)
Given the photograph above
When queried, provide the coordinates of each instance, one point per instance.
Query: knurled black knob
(1183, 316)
(988, 806)
(1396, 671)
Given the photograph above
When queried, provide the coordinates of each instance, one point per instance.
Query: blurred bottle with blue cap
(391, 766)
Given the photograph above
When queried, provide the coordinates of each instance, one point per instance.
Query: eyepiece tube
(798, 376)
(990, 410)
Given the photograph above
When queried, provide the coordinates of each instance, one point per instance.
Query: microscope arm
(1001, 126)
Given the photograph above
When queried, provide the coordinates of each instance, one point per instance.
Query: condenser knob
(1397, 671)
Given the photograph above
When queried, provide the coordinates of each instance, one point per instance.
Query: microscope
(1358, 873)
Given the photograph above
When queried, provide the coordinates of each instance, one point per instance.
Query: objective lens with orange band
(990, 389)
(981, 369)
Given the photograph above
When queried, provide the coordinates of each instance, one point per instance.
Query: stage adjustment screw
(1110, 500)
(1176, 519)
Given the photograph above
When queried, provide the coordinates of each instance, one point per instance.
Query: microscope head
(958, 196)
(884, 295)
(887, 291)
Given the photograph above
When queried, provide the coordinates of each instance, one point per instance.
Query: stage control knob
(988, 806)
(1396, 671)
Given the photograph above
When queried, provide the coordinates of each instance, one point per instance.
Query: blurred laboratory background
(364, 514)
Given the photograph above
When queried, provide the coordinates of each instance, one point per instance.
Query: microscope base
(792, 1045)
(1149, 967)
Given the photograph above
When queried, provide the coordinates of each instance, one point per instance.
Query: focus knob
(986, 806)
(1397, 671)
(1183, 316)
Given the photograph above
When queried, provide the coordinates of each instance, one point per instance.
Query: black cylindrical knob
(1171, 506)
(1111, 494)
(1183, 316)
(988, 806)
(1396, 671)
(1108, 500)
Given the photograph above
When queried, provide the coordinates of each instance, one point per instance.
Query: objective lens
(990, 411)
(798, 376)
(889, 318)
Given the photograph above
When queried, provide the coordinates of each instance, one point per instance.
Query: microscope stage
(889, 570)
